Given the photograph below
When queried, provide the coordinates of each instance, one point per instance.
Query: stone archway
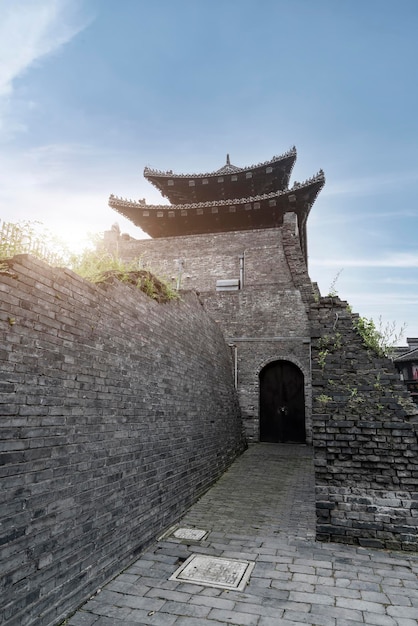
(282, 403)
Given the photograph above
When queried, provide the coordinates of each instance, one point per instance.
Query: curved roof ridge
(148, 171)
(319, 177)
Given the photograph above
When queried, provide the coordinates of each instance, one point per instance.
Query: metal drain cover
(214, 571)
(194, 534)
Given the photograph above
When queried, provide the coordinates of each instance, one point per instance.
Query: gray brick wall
(117, 413)
(264, 325)
(266, 320)
(365, 438)
(212, 257)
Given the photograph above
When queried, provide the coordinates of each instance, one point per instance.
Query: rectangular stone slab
(194, 534)
(213, 571)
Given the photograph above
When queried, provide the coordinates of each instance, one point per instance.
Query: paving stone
(168, 594)
(373, 596)
(151, 618)
(361, 585)
(305, 578)
(111, 621)
(295, 580)
(234, 617)
(194, 621)
(403, 612)
(397, 599)
(213, 603)
(340, 592)
(302, 569)
(326, 581)
(338, 613)
(256, 609)
(309, 618)
(272, 621)
(288, 605)
(378, 620)
(313, 598)
(82, 619)
(294, 585)
(184, 608)
(360, 605)
(192, 589)
(238, 596)
(208, 591)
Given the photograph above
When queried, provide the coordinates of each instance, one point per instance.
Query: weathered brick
(104, 454)
(363, 402)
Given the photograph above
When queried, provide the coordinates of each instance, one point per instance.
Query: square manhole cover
(194, 534)
(214, 571)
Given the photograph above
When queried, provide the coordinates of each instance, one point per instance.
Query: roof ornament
(228, 168)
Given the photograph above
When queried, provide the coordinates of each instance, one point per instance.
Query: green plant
(378, 385)
(331, 342)
(99, 266)
(33, 238)
(327, 344)
(332, 291)
(380, 339)
(408, 405)
(322, 355)
(323, 398)
(95, 265)
(338, 341)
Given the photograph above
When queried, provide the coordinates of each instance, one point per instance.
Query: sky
(92, 91)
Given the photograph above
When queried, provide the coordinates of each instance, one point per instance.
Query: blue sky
(92, 91)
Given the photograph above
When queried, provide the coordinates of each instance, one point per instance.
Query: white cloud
(399, 281)
(29, 31)
(333, 217)
(368, 185)
(65, 187)
(399, 259)
(387, 298)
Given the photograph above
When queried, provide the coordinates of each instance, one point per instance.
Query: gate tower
(238, 237)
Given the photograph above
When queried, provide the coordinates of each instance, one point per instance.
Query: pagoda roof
(226, 182)
(254, 212)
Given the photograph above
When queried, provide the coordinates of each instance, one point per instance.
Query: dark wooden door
(282, 403)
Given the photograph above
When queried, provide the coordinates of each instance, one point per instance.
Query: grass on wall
(95, 265)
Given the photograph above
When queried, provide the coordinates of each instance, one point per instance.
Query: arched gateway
(282, 403)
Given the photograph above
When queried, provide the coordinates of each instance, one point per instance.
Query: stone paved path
(262, 510)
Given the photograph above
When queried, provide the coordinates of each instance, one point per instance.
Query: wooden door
(282, 403)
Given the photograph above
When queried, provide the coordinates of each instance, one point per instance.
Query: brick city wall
(208, 258)
(263, 325)
(365, 438)
(265, 321)
(117, 413)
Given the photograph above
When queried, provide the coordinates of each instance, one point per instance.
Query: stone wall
(365, 438)
(211, 257)
(266, 320)
(117, 413)
(262, 325)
